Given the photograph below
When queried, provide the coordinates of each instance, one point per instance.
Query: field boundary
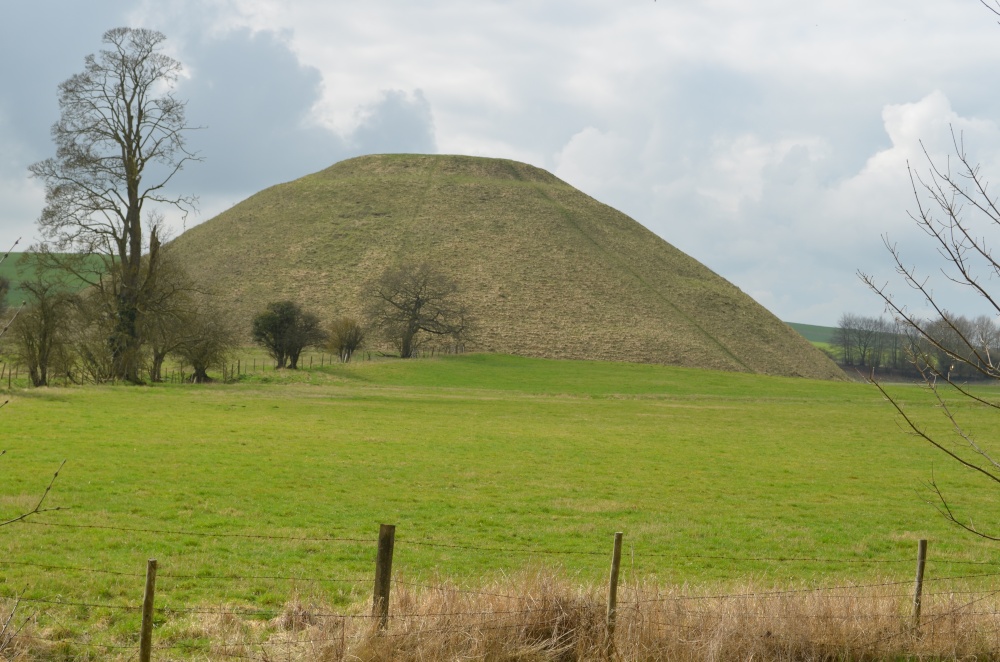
(393, 610)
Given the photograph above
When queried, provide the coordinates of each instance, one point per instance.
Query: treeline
(75, 335)
(955, 346)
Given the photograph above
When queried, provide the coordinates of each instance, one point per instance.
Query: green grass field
(713, 477)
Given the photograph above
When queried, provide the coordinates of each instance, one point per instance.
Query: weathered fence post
(146, 634)
(616, 560)
(918, 587)
(383, 574)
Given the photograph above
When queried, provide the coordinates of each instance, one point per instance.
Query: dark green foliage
(284, 330)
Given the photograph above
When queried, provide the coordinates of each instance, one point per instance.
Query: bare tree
(345, 336)
(411, 299)
(207, 341)
(843, 337)
(119, 142)
(40, 332)
(956, 209)
(171, 312)
(4, 290)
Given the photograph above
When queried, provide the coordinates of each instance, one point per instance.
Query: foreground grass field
(254, 492)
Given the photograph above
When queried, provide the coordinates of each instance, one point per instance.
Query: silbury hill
(546, 270)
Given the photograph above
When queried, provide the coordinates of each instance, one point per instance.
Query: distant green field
(17, 268)
(487, 464)
(813, 333)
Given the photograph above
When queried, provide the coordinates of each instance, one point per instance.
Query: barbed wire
(76, 642)
(44, 566)
(772, 559)
(452, 589)
(504, 550)
(637, 553)
(782, 592)
(91, 605)
(165, 575)
(927, 621)
(202, 534)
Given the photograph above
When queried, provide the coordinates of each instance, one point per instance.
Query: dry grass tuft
(542, 617)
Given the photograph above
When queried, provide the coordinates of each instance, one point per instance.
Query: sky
(769, 140)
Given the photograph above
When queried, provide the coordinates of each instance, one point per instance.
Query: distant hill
(547, 270)
(814, 333)
(16, 268)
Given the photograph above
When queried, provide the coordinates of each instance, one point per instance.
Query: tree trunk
(406, 344)
(156, 366)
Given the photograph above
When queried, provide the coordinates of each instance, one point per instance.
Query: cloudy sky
(767, 139)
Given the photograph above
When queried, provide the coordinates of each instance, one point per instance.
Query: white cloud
(767, 139)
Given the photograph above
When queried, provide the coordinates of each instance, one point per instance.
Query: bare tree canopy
(413, 298)
(345, 336)
(119, 141)
(957, 211)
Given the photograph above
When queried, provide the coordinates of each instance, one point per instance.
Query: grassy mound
(547, 270)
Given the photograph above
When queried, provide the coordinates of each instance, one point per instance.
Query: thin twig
(38, 506)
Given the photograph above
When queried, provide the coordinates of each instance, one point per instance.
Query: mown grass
(715, 478)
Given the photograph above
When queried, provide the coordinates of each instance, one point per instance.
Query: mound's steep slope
(547, 270)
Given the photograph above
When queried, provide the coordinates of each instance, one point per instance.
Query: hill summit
(546, 270)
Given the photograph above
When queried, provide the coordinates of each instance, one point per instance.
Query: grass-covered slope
(547, 270)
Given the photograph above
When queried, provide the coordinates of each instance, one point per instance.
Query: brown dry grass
(541, 617)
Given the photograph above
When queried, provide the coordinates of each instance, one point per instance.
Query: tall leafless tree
(120, 140)
(411, 299)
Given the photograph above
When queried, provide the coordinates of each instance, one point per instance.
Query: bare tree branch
(953, 202)
(38, 506)
(6, 635)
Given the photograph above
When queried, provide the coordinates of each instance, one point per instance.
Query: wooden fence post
(146, 634)
(918, 587)
(383, 574)
(616, 560)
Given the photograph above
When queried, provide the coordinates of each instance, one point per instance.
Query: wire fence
(960, 610)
